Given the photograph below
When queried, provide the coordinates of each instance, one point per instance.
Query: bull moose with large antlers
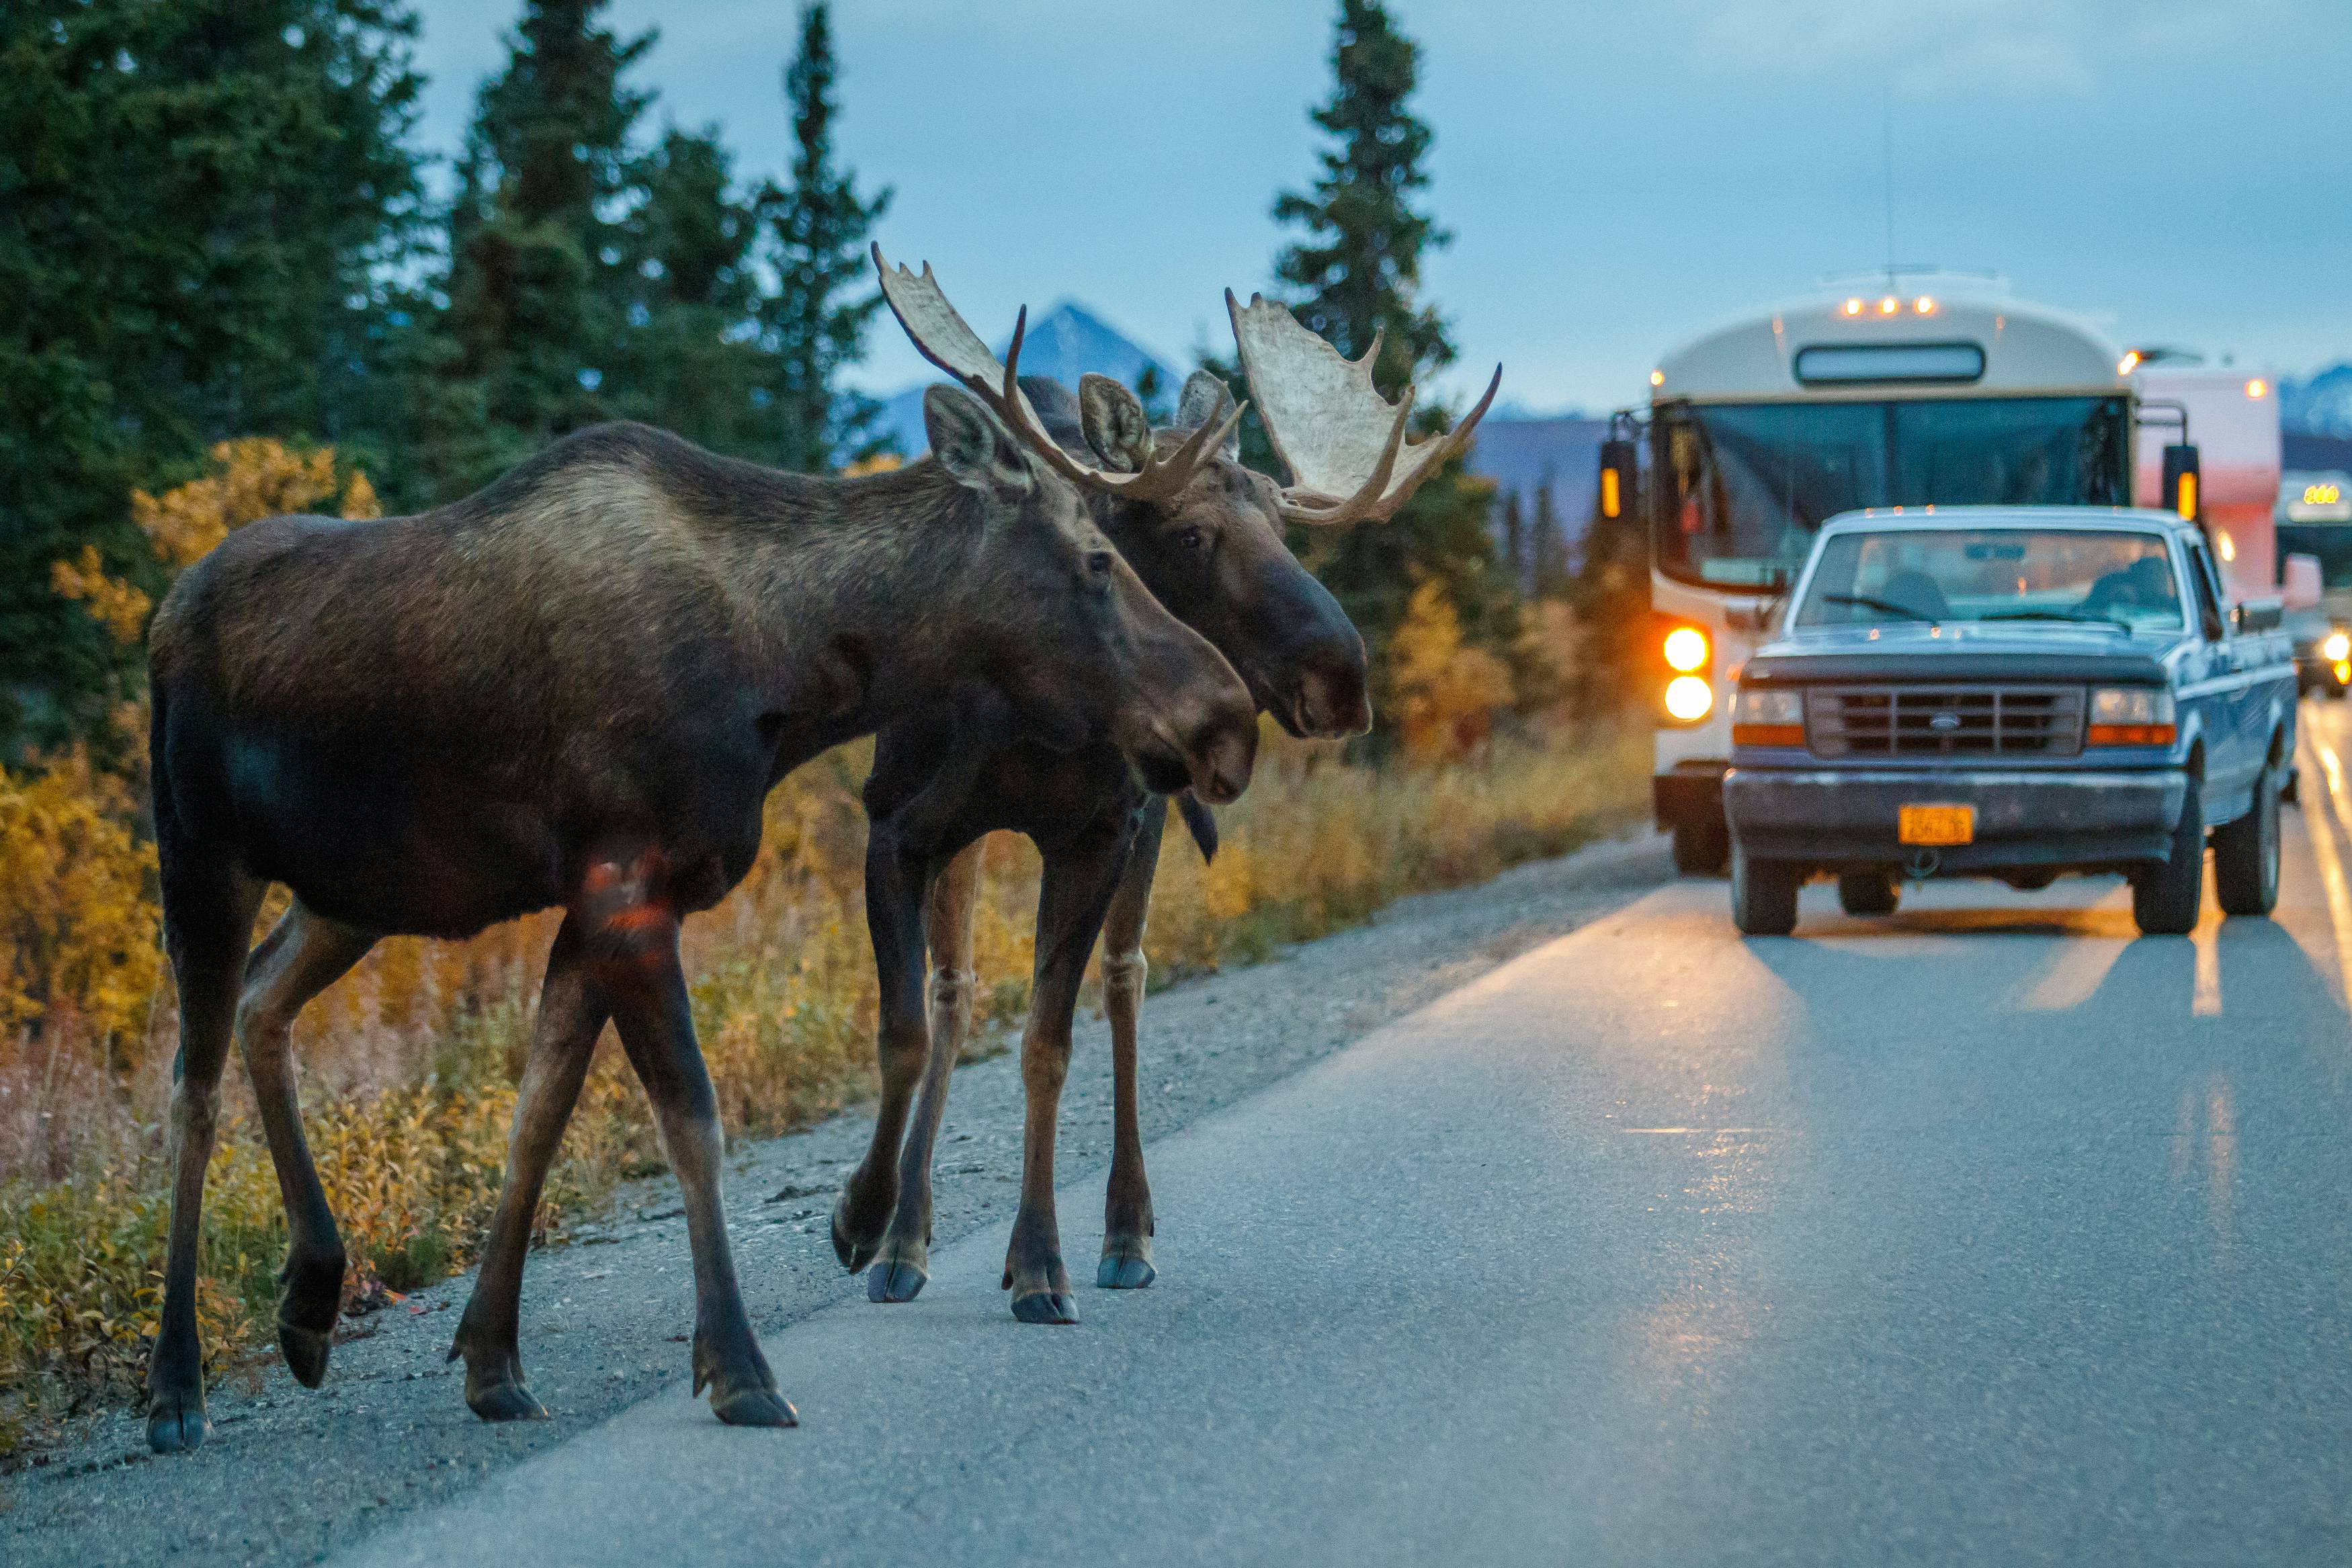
(1204, 533)
(576, 688)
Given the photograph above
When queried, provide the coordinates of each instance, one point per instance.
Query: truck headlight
(2336, 648)
(2131, 716)
(1767, 716)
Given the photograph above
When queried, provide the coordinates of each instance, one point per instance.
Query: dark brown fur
(576, 688)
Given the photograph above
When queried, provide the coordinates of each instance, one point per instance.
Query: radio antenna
(1887, 146)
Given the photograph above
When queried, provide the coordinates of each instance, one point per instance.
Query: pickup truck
(2015, 692)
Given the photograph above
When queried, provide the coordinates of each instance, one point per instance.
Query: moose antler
(1344, 444)
(941, 336)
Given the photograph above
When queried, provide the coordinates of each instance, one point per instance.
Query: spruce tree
(816, 321)
(1356, 272)
(540, 268)
(199, 204)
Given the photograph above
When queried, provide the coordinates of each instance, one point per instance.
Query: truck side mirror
(2299, 582)
(2260, 614)
(1620, 471)
(2180, 480)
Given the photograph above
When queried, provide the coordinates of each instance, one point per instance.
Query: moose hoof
(1124, 1271)
(1044, 1307)
(895, 1280)
(306, 1353)
(177, 1426)
(504, 1402)
(753, 1407)
(854, 1252)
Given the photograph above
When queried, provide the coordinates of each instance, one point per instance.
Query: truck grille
(1944, 721)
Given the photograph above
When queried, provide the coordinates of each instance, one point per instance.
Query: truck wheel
(1701, 847)
(2246, 853)
(1867, 893)
(1763, 894)
(2168, 896)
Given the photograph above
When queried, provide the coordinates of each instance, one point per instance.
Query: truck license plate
(1937, 825)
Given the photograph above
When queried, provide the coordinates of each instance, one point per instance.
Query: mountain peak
(1069, 341)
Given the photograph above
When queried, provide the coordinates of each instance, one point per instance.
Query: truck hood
(1966, 651)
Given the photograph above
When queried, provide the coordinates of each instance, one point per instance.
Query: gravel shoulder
(292, 1475)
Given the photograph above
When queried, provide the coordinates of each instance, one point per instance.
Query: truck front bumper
(1848, 816)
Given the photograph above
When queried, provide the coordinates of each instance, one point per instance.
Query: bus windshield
(1743, 487)
(2331, 542)
(2098, 576)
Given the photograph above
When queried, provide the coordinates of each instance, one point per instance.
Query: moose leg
(901, 1268)
(631, 937)
(571, 1014)
(1126, 1207)
(1079, 879)
(895, 875)
(303, 956)
(208, 910)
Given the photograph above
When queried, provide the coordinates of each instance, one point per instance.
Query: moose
(1208, 542)
(575, 688)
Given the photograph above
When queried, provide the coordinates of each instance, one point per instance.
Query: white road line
(2322, 845)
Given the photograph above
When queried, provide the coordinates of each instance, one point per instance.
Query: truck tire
(2168, 896)
(1867, 893)
(1763, 894)
(1702, 845)
(2246, 853)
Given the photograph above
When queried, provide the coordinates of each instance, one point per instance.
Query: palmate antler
(941, 336)
(1344, 444)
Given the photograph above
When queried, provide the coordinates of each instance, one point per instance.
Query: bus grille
(1944, 721)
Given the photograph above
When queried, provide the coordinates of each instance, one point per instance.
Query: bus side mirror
(2180, 480)
(1620, 470)
(2299, 584)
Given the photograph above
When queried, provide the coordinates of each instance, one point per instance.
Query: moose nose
(1331, 701)
(1223, 753)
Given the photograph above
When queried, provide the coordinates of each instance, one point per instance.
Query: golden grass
(409, 1062)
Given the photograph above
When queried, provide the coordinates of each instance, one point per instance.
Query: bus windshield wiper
(2058, 615)
(1867, 602)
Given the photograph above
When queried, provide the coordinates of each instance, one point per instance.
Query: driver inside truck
(2146, 584)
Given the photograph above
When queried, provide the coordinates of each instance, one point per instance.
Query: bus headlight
(2336, 648)
(1686, 648)
(2131, 716)
(1689, 699)
(1768, 717)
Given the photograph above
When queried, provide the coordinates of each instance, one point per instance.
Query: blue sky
(1617, 176)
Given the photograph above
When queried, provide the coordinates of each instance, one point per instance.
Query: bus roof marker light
(2128, 363)
(2257, 388)
(1889, 306)
(1925, 305)
(1657, 378)
(1854, 306)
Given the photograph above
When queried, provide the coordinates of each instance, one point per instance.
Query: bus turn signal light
(1685, 649)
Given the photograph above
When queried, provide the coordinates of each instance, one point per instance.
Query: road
(1987, 1233)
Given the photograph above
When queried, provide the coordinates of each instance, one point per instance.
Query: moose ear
(1114, 424)
(1205, 398)
(973, 446)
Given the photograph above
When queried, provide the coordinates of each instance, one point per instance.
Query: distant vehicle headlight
(2336, 648)
(1689, 699)
(2131, 716)
(1767, 716)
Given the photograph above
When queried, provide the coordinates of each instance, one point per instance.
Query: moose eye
(1099, 562)
(1190, 539)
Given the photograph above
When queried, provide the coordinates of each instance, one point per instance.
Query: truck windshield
(2331, 542)
(1938, 576)
(1742, 488)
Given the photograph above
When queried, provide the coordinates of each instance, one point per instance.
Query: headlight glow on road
(1689, 699)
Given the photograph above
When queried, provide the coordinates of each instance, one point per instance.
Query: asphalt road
(1986, 1233)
